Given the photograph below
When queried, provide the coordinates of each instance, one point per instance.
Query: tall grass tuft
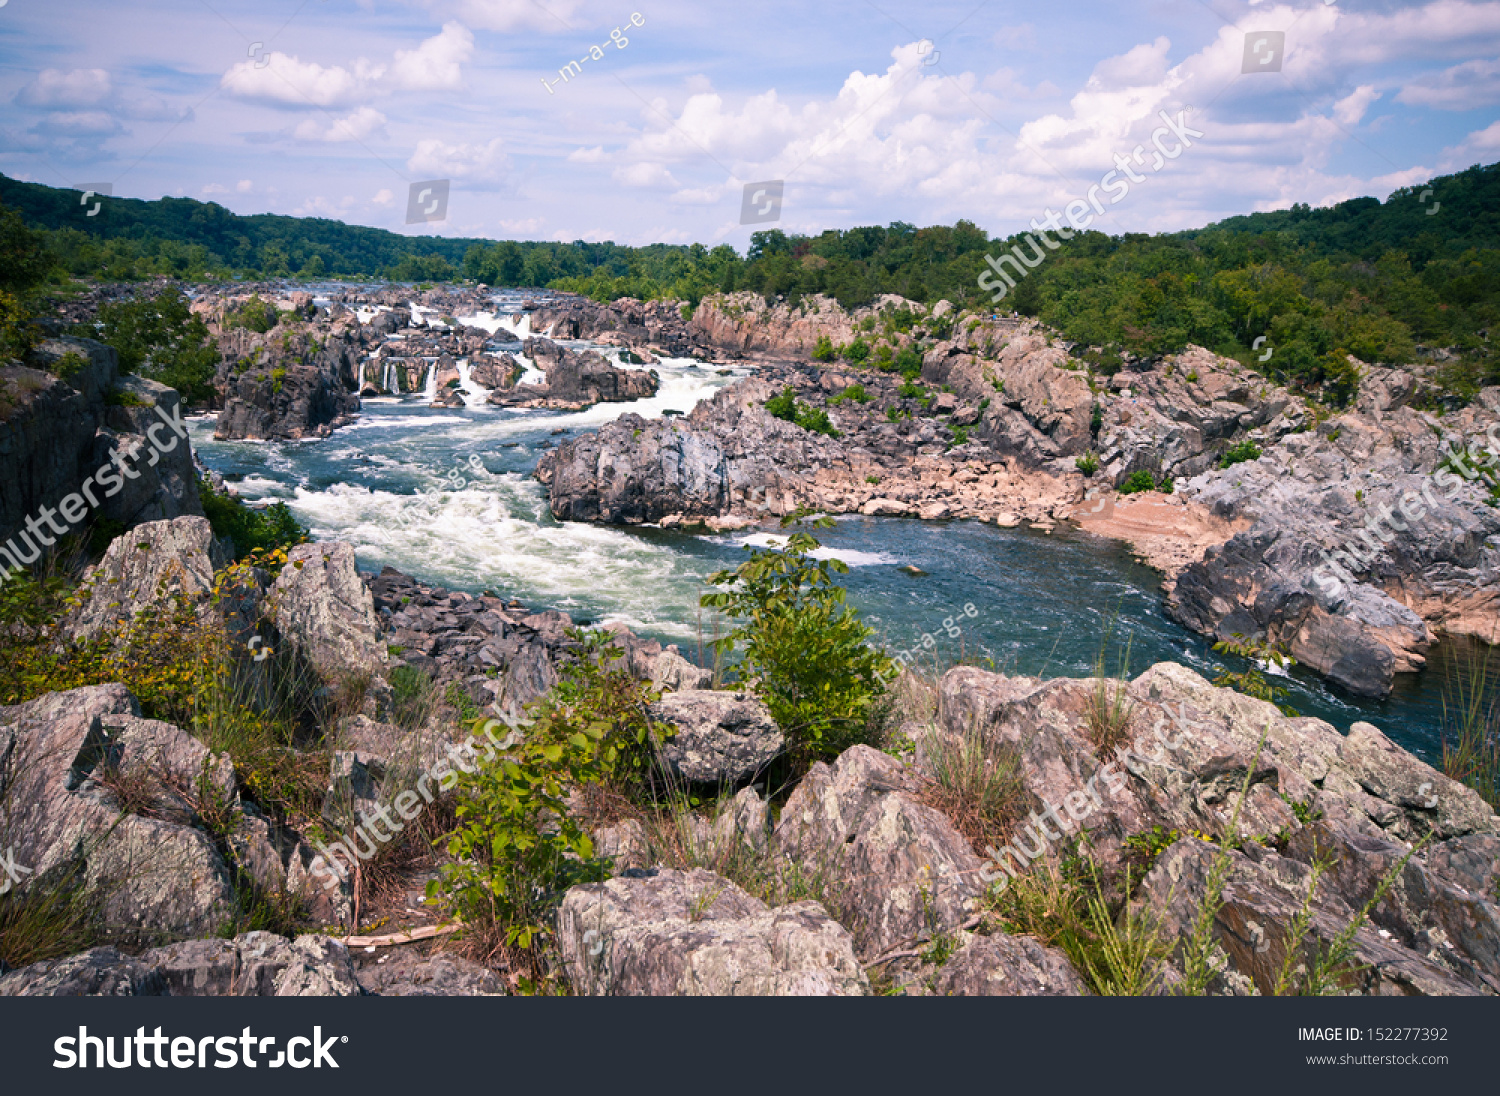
(1471, 725)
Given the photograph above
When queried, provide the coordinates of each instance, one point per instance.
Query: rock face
(112, 807)
(900, 871)
(148, 566)
(321, 606)
(1361, 543)
(458, 639)
(402, 974)
(1359, 798)
(575, 380)
(718, 737)
(626, 321)
(56, 434)
(696, 934)
(1007, 966)
(255, 964)
(287, 384)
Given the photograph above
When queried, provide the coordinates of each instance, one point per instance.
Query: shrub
(823, 350)
(806, 653)
(1138, 481)
(254, 315)
(1088, 464)
(1245, 450)
(1251, 681)
(518, 845)
(857, 351)
(909, 363)
(251, 530)
(161, 338)
(814, 420)
(854, 392)
(413, 697)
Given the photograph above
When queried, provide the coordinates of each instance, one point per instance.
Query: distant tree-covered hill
(1379, 280)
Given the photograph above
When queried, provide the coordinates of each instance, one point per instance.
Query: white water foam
(852, 556)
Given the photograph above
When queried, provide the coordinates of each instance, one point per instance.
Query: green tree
(806, 653)
(160, 337)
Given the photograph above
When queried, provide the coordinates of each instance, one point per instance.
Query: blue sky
(871, 112)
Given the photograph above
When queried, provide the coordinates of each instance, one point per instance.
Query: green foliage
(1088, 464)
(160, 338)
(854, 392)
(1137, 481)
(255, 314)
(823, 350)
(814, 420)
(1251, 681)
(1471, 725)
(1242, 451)
(857, 351)
(413, 697)
(251, 530)
(18, 332)
(25, 261)
(517, 845)
(806, 653)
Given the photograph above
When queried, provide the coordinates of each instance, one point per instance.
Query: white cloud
(275, 78)
(528, 227)
(1462, 87)
(352, 127)
(643, 174)
(244, 186)
(86, 123)
(436, 159)
(215, 188)
(1349, 110)
(551, 17)
(319, 206)
(436, 64)
(383, 197)
(58, 90)
(587, 155)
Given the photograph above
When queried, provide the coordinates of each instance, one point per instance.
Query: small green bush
(806, 653)
(251, 530)
(1141, 480)
(857, 351)
(823, 350)
(786, 407)
(1245, 450)
(855, 392)
(1088, 464)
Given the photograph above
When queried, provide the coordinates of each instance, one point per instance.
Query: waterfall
(429, 389)
(474, 394)
(388, 378)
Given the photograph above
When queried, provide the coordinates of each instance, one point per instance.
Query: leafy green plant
(806, 653)
(813, 420)
(251, 530)
(1137, 481)
(1251, 681)
(854, 392)
(822, 349)
(160, 337)
(1243, 451)
(1088, 464)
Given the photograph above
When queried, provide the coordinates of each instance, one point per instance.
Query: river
(446, 495)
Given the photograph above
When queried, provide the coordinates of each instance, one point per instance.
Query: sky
(867, 113)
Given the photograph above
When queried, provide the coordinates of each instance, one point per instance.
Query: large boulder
(256, 964)
(133, 816)
(695, 934)
(148, 566)
(403, 974)
(719, 737)
(897, 869)
(1358, 801)
(98, 972)
(1007, 966)
(323, 608)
